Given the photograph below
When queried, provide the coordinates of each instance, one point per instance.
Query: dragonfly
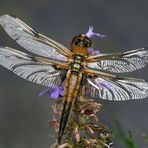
(51, 64)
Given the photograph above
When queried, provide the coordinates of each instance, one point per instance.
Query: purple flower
(90, 33)
(91, 51)
(106, 85)
(54, 92)
(102, 83)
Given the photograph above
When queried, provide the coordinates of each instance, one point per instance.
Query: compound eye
(77, 41)
(86, 43)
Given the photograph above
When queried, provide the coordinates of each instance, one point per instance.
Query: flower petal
(45, 91)
(55, 95)
(91, 51)
(54, 92)
(104, 84)
(90, 33)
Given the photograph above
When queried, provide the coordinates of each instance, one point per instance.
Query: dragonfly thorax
(76, 66)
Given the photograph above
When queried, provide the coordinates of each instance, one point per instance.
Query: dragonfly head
(80, 44)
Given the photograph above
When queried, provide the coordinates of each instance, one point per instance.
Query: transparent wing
(26, 67)
(33, 41)
(119, 89)
(121, 62)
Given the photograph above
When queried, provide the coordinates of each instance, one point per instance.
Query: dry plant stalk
(84, 129)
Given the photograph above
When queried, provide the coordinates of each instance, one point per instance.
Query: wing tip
(6, 16)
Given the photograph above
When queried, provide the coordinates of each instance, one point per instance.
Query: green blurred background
(24, 116)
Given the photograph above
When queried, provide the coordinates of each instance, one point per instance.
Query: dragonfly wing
(120, 89)
(26, 67)
(31, 40)
(122, 62)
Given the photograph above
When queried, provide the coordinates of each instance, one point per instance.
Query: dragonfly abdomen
(73, 80)
(72, 85)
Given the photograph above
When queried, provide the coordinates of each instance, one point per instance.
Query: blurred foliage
(124, 139)
(145, 136)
